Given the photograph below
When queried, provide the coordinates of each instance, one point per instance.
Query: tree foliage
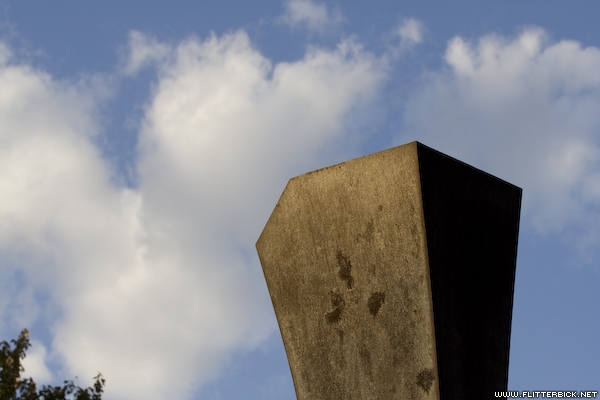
(12, 387)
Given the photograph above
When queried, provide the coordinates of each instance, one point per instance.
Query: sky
(144, 144)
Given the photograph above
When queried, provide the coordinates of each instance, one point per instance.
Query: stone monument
(392, 277)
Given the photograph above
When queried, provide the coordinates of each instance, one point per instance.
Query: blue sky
(143, 146)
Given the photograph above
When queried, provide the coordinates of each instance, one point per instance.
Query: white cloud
(527, 111)
(46, 161)
(34, 364)
(157, 286)
(219, 121)
(306, 13)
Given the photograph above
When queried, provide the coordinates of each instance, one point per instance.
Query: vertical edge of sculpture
(392, 277)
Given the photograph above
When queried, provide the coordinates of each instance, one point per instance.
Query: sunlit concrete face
(367, 307)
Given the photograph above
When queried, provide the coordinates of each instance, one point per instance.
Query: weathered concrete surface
(350, 264)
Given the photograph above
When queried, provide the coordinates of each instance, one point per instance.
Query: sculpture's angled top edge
(418, 146)
(422, 146)
(413, 143)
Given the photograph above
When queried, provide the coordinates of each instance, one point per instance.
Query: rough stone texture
(376, 264)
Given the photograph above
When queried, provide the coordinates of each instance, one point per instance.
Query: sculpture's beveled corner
(346, 259)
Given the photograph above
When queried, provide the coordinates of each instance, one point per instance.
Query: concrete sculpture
(392, 277)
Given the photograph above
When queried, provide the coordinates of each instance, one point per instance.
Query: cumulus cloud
(156, 286)
(34, 364)
(526, 110)
(65, 229)
(219, 120)
(310, 15)
(45, 132)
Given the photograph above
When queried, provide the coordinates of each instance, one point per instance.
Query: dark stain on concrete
(425, 379)
(338, 304)
(334, 316)
(345, 272)
(375, 302)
